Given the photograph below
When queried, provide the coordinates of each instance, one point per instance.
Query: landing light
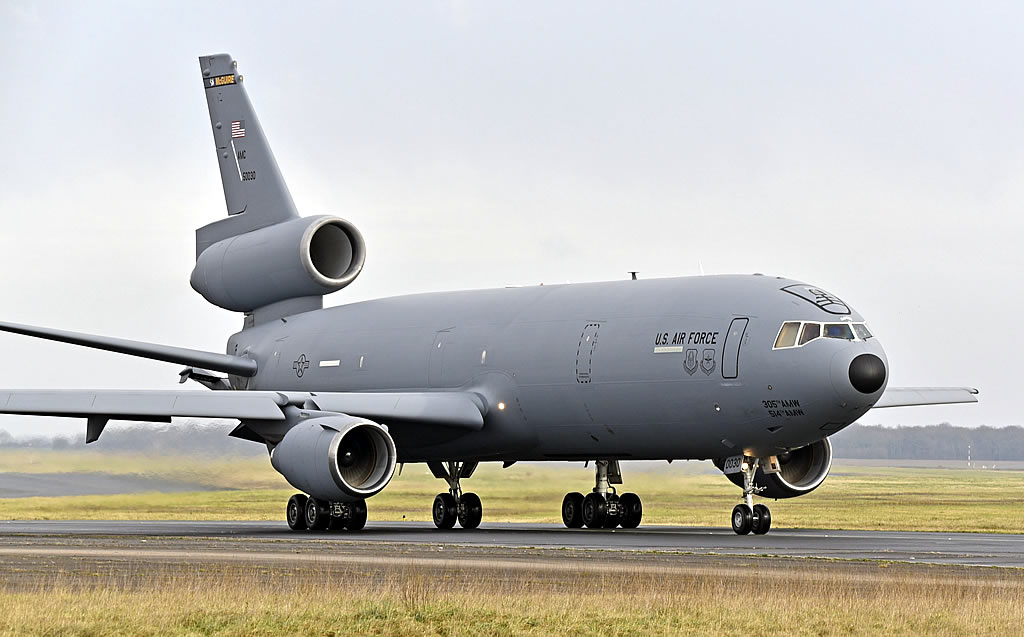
(501, 406)
(744, 466)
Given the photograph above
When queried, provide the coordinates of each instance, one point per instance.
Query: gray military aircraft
(753, 372)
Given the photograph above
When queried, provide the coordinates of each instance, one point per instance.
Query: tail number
(248, 175)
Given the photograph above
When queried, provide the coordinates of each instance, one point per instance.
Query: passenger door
(731, 349)
(585, 353)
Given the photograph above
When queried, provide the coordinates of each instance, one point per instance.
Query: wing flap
(917, 396)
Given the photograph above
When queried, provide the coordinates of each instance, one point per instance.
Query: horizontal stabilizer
(209, 360)
(917, 396)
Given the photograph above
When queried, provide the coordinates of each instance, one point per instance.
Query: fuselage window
(787, 335)
(838, 330)
(811, 332)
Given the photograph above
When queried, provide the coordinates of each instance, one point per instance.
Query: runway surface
(963, 549)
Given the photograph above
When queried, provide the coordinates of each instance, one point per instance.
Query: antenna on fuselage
(633, 274)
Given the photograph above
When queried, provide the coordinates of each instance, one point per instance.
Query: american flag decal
(238, 129)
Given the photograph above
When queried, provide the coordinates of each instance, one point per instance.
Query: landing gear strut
(749, 517)
(465, 508)
(603, 508)
(304, 513)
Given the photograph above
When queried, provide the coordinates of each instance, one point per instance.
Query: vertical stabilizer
(254, 190)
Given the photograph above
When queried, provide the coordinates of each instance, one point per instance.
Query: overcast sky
(873, 149)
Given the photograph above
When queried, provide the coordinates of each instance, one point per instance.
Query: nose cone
(867, 373)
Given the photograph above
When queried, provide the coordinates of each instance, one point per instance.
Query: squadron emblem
(707, 363)
(690, 364)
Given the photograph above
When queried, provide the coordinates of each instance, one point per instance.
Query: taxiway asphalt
(963, 549)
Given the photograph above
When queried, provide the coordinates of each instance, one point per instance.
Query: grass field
(807, 599)
(853, 497)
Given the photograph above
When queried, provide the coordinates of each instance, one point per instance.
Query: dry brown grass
(804, 598)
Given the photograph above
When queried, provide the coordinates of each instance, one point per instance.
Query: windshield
(839, 330)
(800, 333)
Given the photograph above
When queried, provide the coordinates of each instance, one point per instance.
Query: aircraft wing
(454, 409)
(916, 396)
(209, 360)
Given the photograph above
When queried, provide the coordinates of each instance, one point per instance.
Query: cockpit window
(811, 332)
(799, 333)
(787, 335)
(839, 330)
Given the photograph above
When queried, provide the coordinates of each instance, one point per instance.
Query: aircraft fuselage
(650, 369)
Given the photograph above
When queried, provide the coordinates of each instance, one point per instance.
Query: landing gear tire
(471, 511)
(445, 511)
(296, 512)
(317, 516)
(742, 519)
(632, 510)
(762, 519)
(595, 511)
(572, 510)
(358, 519)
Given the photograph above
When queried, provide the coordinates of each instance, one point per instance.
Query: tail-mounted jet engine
(336, 458)
(309, 256)
(800, 471)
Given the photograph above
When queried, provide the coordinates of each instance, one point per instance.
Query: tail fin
(254, 190)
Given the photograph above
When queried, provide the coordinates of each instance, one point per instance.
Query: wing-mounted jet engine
(339, 461)
(789, 474)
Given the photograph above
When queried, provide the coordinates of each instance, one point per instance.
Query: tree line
(933, 442)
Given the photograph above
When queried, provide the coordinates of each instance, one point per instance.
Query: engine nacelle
(310, 256)
(800, 471)
(336, 458)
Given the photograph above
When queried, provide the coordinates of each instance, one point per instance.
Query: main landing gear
(603, 508)
(748, 517)
(455, 505)
(318, 515)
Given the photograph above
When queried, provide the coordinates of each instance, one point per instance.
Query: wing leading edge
(918, 396)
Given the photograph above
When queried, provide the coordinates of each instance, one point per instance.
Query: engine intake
(800, 471)
(336, 458)
(310, 256)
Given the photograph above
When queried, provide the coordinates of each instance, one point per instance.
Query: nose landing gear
(455, 506)
(603, 508)
(749, 517)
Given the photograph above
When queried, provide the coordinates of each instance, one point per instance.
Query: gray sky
(874, 149)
